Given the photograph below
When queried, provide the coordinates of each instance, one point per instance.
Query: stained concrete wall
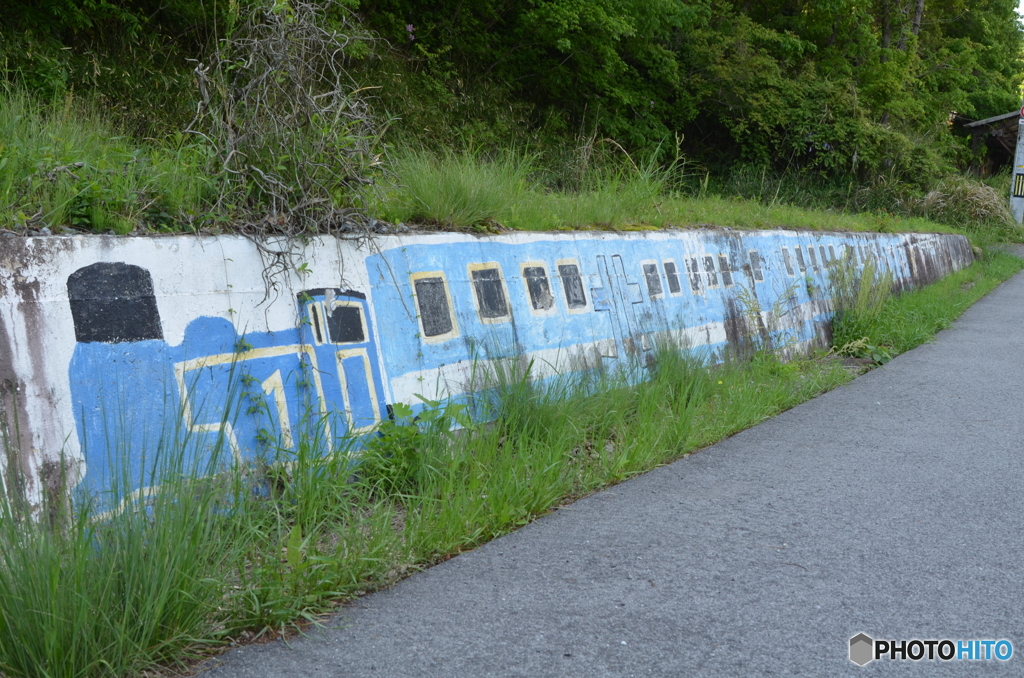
(110, 345)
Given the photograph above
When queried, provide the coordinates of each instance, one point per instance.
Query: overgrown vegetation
(623, 113)
(288, 117)
(258, 550)
(291, 141)
(66, 167)
(871, 324)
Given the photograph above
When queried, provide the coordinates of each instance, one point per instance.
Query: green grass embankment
(64, 169)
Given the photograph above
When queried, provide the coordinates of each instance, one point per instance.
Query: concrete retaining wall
(109, 345)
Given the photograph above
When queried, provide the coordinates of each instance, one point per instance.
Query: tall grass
(473, 190)
(63, 165)
(458, 189)
(111, 597)
(255, 550)
(514, 190)
(898, 324)
(960, 202)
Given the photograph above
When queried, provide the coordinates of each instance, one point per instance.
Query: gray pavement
(892, 506)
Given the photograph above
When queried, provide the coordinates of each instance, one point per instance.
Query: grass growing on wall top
(62, 166)
(479, 191)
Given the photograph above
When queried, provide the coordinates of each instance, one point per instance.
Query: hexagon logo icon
(862, 649)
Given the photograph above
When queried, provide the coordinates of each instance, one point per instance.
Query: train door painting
(620, 297)
(336, 324)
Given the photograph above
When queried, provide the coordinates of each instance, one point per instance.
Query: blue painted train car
(433, 318)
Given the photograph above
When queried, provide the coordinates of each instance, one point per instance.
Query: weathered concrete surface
(892, 506)
(112, 349)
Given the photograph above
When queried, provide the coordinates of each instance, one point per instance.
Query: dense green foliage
(130, 54)
(840, 104)
(847, 86)
(843, 85)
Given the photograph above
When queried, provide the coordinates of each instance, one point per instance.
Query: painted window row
(490, 294)
(807, 257)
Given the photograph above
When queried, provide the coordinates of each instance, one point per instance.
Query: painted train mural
(424, 317)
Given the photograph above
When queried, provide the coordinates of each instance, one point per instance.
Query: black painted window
(345, 325)
(113, 303)
(726, 269)
(572, 283)
(694, 273)
(709, 268)
(432, 298)
(539, 287)
(813, 257)
(755, 266)
(490, 293)
(654, 288)
(788, 260)
(800, 258)
(824, 258)
(672, 275)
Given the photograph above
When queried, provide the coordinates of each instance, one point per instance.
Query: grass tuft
(898, 324)
(454, 190)
(62, 165)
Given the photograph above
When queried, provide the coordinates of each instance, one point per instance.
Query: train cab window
(800, 259)
(437, 323)
(535, 275)
(653, 279)
(345, 323)
(788, 261)
(755, 266)
(725, 269)
(489, 291)
(672, 276)
(572, 284)
(694, 274)
(709, 270)
(337, 322)
(113, 303)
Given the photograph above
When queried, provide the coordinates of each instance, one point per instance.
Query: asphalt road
(892, 506)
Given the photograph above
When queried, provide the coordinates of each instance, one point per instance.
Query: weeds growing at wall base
(872, 326)
(248, 552)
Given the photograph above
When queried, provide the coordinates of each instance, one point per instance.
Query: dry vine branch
(294, 144)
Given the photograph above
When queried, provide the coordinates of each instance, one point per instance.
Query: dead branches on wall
(294, 148)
